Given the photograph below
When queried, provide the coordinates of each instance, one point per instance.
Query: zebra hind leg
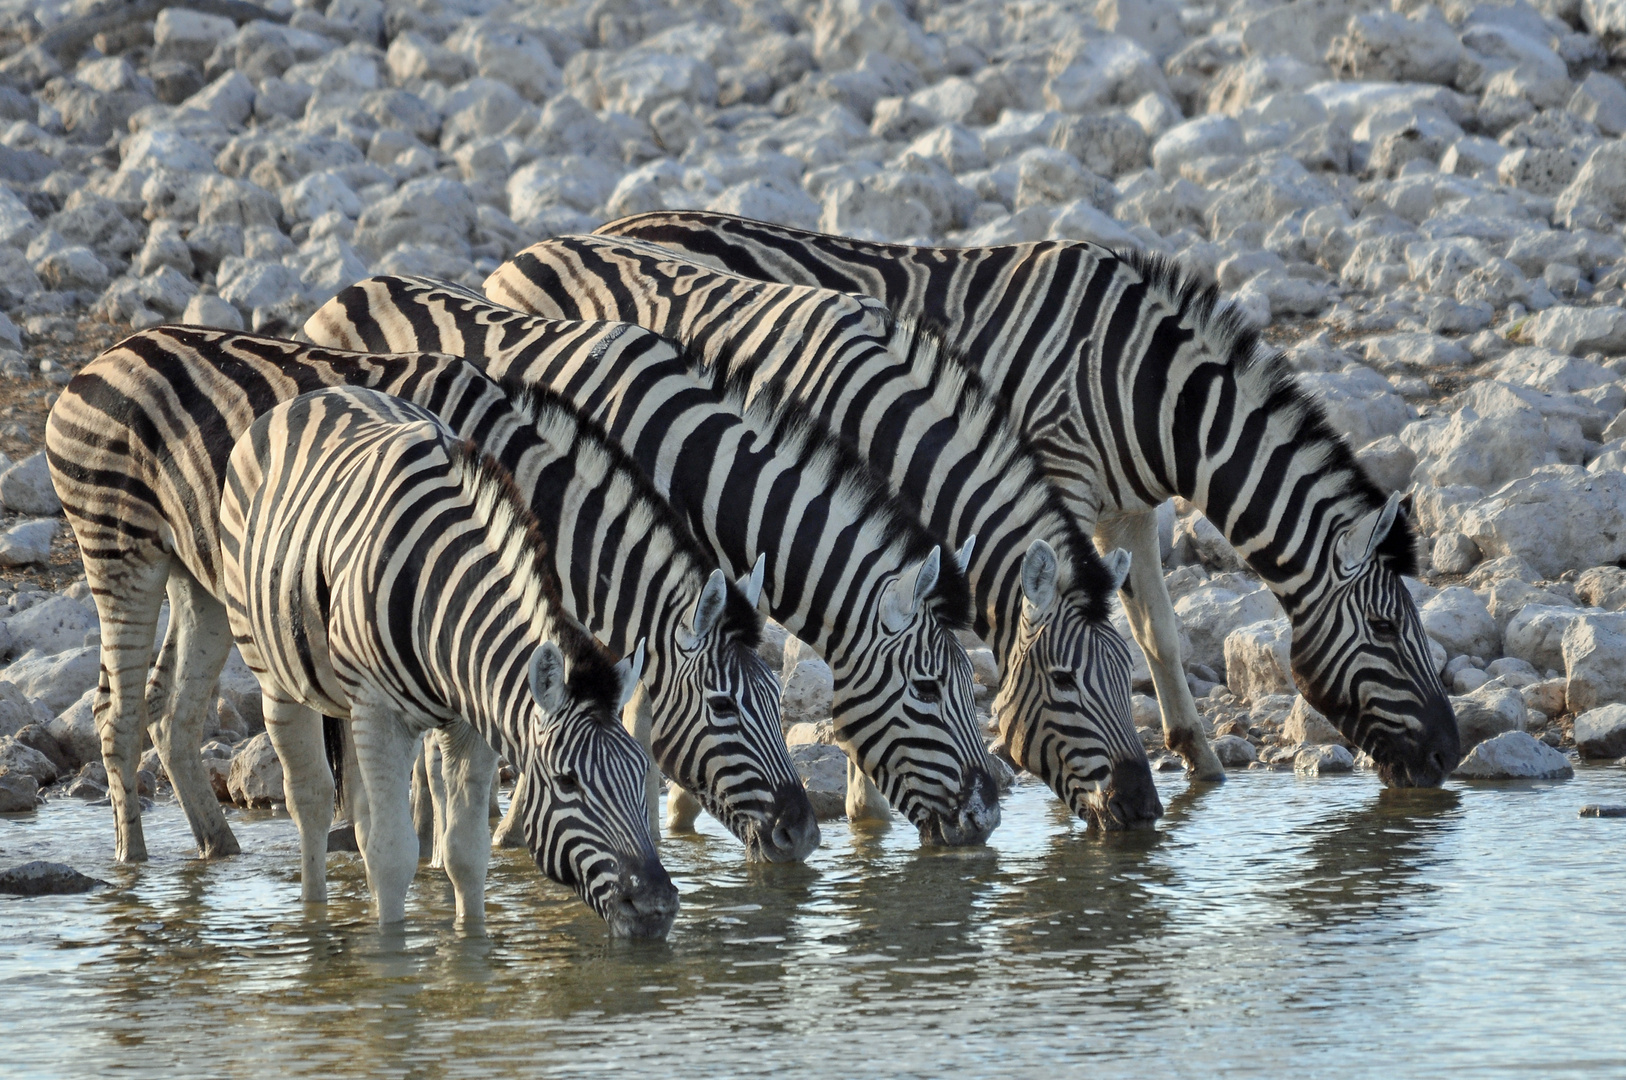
(467, 764)
(682, 810)
(297, 736)
(865, 801)
(1157, 630)
(185, 678)
(128, 595)
(509, 833)
(385, 749)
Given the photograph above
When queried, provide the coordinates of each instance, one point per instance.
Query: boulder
(1234, 752)
(1205, 136)
(1458, 619)
(57, 625)
(1578, 330)
(74, 730)
(1323, 760)
(1602, 586)
(19, 793)
(16, 711)
(1360, 403)
(45, 879)
(1488, 712)
(256, 774)
(17, 756)
(1258, 659)
(1210, 612)
(1561, 517)
(55, 682)
(1383, 46)
(1305, 725)
(1601, 733)
(823, 769)
(1536, 635)
(1595, 661)
(1514, 755)
(807, 686)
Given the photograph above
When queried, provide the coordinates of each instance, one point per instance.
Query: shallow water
(1274, 924)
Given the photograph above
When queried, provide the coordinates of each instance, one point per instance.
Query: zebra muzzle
(791, 831)
(1131, 797)
(643, 902)
(973, 820)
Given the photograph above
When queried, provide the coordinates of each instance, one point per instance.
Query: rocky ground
(1421, 203)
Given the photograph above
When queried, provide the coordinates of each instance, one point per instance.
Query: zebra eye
(928, 691)
(1383, 628)
(1064, 680)
(566, 783)
(722, 706)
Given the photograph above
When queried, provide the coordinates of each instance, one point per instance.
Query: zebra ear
(909, 591)
(1117, 563)
(1356, 547)
(1039, 575)
(751, 584)
(630, 669)
(962, 558)
(709, 608)
(547, 677)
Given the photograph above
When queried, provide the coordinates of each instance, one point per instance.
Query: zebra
(849, 571)
(1040, 589)
(1135, 383)
(137, 444)
(378, 569)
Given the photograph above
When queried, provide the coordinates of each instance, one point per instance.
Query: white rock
(256, 773)
(1600, 183)
(317, 194)
(1152, 24)
(1210, 613)
(639, 83)
(1536, 635)
(72, 267)
(1089, 73)
(510, 54)
(1323, 760)
(855, 208)
(844, 30)
(1305, 725)
(56, 682)
(1601, 99)
(1488, 712)
(190, 36)
(17, 711)
(1514, 755)
(1360, 403)
(1578, 330)
(26, 487)
(1595, 661)
(54, 626)
(1559, 518)
(413, 58)
(27, 543)
(1601, 733)
(211, 310)
(1258, 659)
(74, 729)
(1234, 752)
(1382, 45)
(823, 769)
(1206, 136)
(225, 201)
(229, 99)
(1458, 619)
(19, 759)
(807, 693)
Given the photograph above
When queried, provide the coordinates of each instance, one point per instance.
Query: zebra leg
(389, 848)
(640, 723)
(467, 763)
(1156, 628)
(682, 810)
(127, 600)
(423, 803)
(864, 800)
(184, 679)
(307, 782)
(509, 833)
(434, 771)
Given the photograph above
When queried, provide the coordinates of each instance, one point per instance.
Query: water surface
(1321, 927)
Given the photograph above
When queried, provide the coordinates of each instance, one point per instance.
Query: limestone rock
(256, 774)
(1458, 619)
(17, 756)
(1305, 725)
(1234, 752)
(1560, 517)
(807, 688)
(1536, 635)
(74, 730)
(1323, 760)
(19, 793)
(1258, 659)
(1488, 712)
(823, 769)
(54, 626)
(1595, 661)
(56, 682)
(1601, 733)
(1514, 755)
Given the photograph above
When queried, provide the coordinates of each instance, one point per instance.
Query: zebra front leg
(433, 767)
(682, 810)
(384, 753)
(640, 723)
(307, 784)
(128, 596)
(467, 764)
(423, 804)
(509, 833)
(864, 800)
(185, 678)
(1157, 630)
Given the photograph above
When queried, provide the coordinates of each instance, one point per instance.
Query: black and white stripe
(376, 568)
(848, 570)
(943, 444)
(137, 444)
(1135, 384)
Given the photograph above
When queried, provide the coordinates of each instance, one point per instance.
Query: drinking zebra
(946, 448)
(1135, 383)
(378, 569)
(137, 445)
(849, 571)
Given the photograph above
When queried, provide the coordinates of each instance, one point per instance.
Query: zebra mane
(1263, 372)
(823, 454)
(592, 449)
(513, 531)
(1081, 565)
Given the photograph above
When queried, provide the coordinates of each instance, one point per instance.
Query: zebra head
(735, 763)
(1362, 659)
(584, 815)
(903, 712)
(1063, 703)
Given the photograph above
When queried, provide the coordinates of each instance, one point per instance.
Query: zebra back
(372, 558)
(847, 569)
(138, 445)
(1136, 383)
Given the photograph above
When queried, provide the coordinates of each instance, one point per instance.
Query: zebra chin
(1129, 801)
(788, 831)
(640, 902)
(1425, 762)
(972, 821)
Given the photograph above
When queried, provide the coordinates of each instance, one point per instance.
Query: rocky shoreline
(1420, 203)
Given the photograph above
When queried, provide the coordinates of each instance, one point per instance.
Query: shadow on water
(1375, 860)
